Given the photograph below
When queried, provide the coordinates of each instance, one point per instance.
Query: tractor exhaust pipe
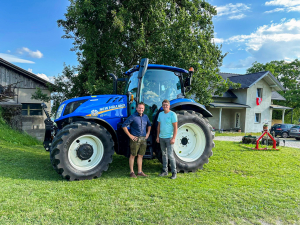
(115, 84)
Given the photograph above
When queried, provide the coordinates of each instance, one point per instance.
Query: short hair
(140, 103)
(166, 101)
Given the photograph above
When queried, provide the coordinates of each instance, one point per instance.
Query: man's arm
(127, 122)
(148, 131)
(148, 127)
(158, 131)
(172, 141)
(134, 138)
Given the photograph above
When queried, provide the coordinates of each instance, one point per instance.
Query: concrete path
(289, 142)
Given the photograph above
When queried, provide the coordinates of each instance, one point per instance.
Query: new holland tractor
(88, 130)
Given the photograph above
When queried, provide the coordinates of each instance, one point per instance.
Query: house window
(32, 109)
(257, 117)
(259, 92)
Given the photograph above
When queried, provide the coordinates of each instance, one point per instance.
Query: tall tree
(110, 36)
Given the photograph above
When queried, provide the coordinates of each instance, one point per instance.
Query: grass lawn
(238, 186)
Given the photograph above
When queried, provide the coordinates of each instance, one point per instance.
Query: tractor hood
(99, 106)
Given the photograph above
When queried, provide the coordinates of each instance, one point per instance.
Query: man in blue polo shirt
(138, 123)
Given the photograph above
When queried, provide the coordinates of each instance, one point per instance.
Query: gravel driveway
(289, 142)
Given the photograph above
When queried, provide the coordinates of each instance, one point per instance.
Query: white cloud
(270, 42)
(287, 5)
(233, 11)
(237, 17)
(284, 2)
(218, 40)
(51, 79)
(8, 51)
(275, 10)
(43, 76)
(36, 54)
(282, 32)
(13, 59)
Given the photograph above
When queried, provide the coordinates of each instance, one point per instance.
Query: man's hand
(147, 135)
(172, 141)
(134, 138)
(157, 139)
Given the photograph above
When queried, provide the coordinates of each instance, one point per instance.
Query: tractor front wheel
(81, 151)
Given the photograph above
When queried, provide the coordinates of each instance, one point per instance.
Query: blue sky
(248, 30)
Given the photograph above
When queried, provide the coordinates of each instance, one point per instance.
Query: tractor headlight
(59, 111)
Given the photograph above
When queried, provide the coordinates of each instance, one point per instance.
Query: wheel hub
(85, 151)
(184, 141)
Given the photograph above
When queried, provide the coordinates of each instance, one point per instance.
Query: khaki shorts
(138, 147)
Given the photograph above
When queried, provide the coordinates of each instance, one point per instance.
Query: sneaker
(141, 174)
(132, 175)
(174, 176)
(163, 174)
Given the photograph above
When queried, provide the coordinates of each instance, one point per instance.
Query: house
(22, 85)
(248, 107)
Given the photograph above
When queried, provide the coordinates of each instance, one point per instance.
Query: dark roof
(247, 80)
(227, 94)
(250, 79)
(228, 105)
(24, 72)
(227, 75)
(277, 96)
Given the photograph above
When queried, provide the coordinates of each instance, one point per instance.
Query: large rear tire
(82, 151)
(194, 141)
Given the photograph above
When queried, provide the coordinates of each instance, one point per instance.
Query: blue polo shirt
(138, 124)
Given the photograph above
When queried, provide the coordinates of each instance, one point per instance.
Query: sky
(247, 31)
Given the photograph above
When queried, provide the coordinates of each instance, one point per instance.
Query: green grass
(14, 137)
(238, 186)
(236, 134)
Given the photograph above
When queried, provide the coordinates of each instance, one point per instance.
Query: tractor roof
(156, 66)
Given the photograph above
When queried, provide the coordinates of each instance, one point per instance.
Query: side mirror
(143, 67)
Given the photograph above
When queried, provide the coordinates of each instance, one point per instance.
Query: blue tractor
(89, 130)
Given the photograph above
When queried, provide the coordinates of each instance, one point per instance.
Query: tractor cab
(158, 83)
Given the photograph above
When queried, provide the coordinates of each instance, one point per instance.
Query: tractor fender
(187, 105)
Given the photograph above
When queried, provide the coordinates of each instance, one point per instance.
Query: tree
(288, 74)
(112, 36)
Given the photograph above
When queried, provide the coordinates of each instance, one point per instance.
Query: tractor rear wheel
(81, 151)
(194, 141)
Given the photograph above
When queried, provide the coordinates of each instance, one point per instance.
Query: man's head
(140, 107)
(166, 105)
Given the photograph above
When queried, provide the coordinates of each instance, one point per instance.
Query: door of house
(237, 120)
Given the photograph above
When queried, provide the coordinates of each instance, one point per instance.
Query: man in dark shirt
(138, 123)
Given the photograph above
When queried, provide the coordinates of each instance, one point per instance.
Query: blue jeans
(167, 152)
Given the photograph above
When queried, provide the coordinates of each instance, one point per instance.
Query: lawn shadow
(120, 167)
(33, 162)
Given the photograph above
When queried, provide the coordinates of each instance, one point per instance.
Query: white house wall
(214, 121)
(263, 108)
(242, 96)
